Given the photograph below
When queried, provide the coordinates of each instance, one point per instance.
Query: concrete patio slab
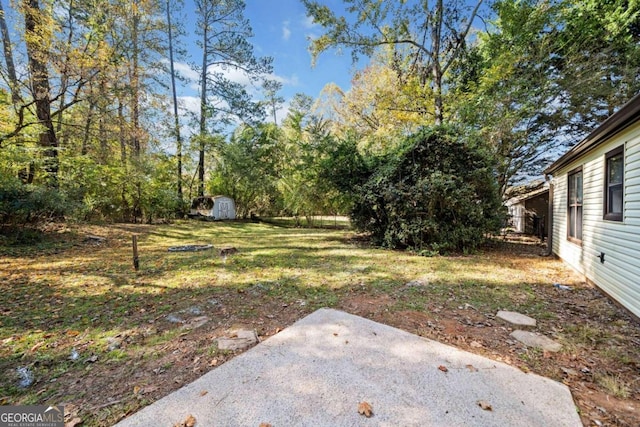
(318, 371)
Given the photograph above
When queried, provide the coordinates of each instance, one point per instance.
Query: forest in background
(90, 127)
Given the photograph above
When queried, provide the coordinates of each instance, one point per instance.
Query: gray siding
(619, 276)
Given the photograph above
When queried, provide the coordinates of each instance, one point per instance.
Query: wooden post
(136, 261)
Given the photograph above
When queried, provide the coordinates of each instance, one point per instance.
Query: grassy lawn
(90, 332)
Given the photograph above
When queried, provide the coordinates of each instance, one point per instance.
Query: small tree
(438, 193)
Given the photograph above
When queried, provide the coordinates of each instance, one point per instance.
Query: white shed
(595, 206)
(216, 207)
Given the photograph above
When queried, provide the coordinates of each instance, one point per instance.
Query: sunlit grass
(81, 296)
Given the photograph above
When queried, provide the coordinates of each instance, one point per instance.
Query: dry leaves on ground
(189, 422)
(485, 405)
(364, 408)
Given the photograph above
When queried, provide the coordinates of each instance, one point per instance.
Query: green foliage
(22, 204)
(436, 193)
(159, 198)
(344, 170)
(246, 169)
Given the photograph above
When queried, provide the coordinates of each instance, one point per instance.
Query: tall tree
(224, 40)
(270, 89)
(8, 57)
(174, 97)
(545, 75)
(428, 36)
(598, 66)
(376, 109)
(506, 89)
(38, 33)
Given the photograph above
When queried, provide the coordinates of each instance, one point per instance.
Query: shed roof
(618, 121)
(525, 192)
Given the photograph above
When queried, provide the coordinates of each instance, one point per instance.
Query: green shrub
(30, 204)
(437, 193)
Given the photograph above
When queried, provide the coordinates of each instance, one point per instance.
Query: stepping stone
(196, 322)
(534, 340)
(239, 341)
(416, 283)
(516, 318)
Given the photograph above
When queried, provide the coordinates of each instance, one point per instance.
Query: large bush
(436, 193)
(29, 204)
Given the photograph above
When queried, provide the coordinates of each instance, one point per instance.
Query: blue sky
(281, 31)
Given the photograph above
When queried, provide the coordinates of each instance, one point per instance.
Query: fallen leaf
(72, 333)
(203, 392)
(137, 389)
(189, 422)
(485, 405)
(472, 368)
(214, 362)
(265, 425)
(443, 368)
(37, 346)
(364, 408)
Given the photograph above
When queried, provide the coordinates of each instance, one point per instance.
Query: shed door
(223, 209)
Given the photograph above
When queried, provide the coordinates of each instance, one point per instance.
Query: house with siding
(595, 206)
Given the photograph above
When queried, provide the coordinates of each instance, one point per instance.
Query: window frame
(606, 215)
(571, 238)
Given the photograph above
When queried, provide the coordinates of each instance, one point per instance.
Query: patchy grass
(613, 384)
(105, 340)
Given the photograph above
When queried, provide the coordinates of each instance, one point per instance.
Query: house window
(574, 206)
(613, 186)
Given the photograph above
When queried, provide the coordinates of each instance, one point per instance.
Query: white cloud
(307, 22)
(292, 80)
(186, 71)
(286, 32)
(190, 104)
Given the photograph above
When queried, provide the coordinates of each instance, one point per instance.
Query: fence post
(136, 261)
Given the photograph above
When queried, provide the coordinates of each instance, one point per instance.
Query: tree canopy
(90, 123)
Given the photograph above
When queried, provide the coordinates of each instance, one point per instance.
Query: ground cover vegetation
(81, 327)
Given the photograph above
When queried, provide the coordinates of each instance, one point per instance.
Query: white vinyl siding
(619, 276)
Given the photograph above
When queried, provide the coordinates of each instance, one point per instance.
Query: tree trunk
(135, 109)
(203, 112)
(175, 103)
(135, 83)
(123, 159)
(87, 129)
(436, 36)
(64, 78)
(8, 56)
(37, 56)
